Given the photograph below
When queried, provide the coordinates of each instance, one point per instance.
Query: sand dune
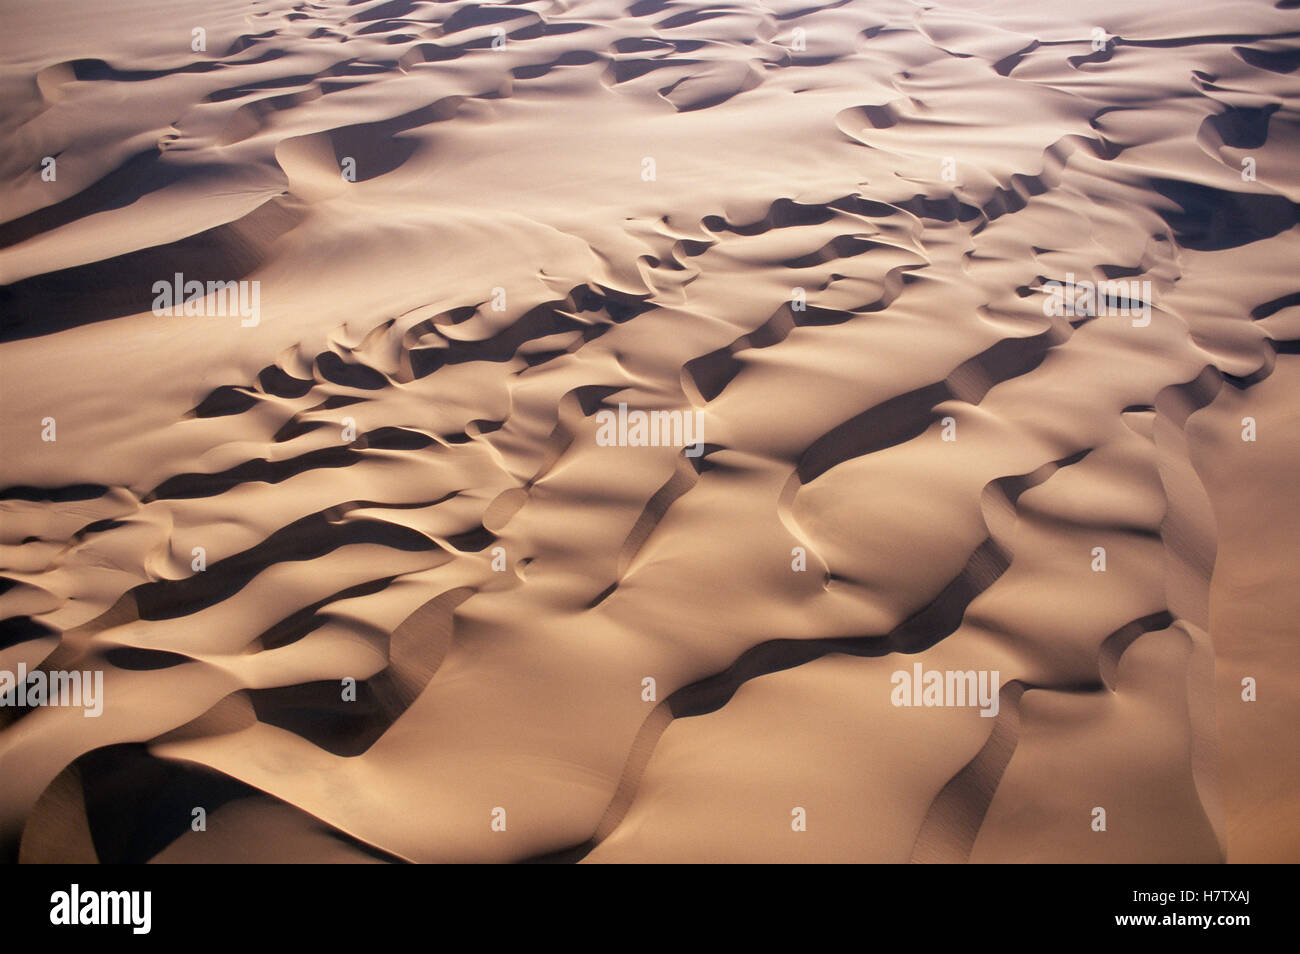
(367, 582)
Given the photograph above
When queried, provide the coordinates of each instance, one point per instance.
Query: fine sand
(367, 582)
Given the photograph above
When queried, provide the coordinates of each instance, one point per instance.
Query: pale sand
(422, 386)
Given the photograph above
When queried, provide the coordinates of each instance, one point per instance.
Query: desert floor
(363, 579)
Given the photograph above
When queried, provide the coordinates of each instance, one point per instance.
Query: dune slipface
(649, 431)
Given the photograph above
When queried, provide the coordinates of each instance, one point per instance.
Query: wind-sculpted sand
(825, 234)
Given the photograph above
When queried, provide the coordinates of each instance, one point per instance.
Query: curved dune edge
(952, 823)
(922, 629)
